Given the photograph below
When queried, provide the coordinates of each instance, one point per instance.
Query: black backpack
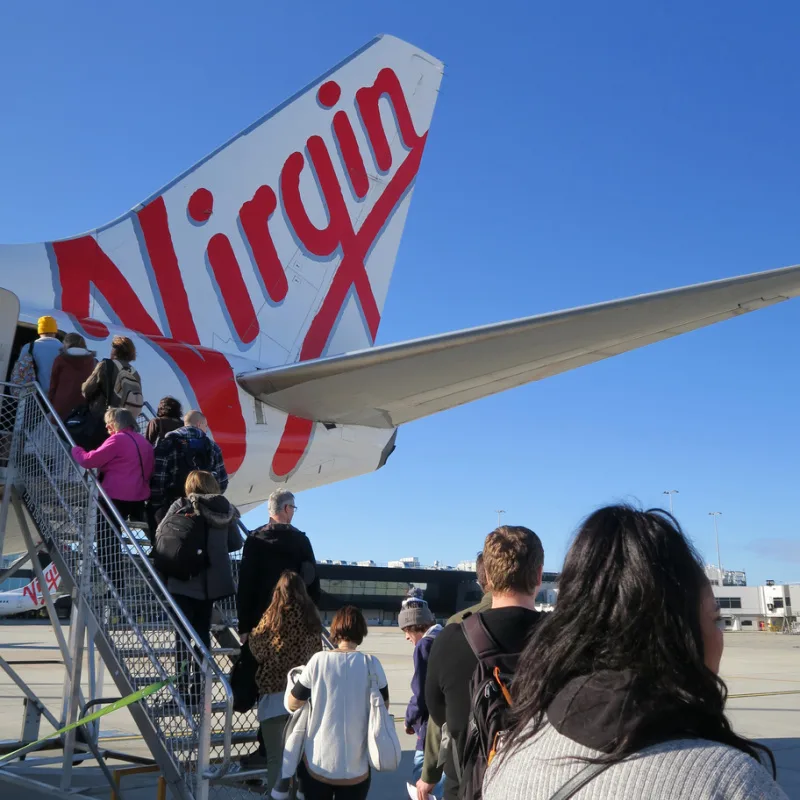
(489, 690)
(182, 545)
(192, 454)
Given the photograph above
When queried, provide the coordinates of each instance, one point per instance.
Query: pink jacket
(122, 475)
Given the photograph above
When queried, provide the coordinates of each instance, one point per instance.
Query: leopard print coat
(278, 651)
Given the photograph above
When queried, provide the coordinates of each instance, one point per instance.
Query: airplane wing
(389, 385)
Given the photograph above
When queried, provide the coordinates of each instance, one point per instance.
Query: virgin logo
(34, 589)
(81, 263)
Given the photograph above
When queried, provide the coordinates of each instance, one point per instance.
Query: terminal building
(379, 590)
(754, 608)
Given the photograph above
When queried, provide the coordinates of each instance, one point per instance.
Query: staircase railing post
(204, 736)
(79, 634)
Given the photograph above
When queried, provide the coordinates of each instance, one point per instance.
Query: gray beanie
(415, 611)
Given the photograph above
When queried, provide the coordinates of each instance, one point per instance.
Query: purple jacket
(122, 474)
(417, 711)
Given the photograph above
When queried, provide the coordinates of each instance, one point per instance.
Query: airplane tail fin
(280, 244)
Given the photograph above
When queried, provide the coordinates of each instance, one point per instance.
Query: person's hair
(169, 407)
(201, 482)
(348, 625)
(74, 340)
(291, 591)
(630, 598)
(277, 500)
(123, 349)
(194, 418)
(512, 558)
(121, 419)
(416, 628)
(480, 571)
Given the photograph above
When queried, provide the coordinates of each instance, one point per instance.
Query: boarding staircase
(121, 608)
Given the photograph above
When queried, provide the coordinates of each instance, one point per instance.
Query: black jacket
(269, 551)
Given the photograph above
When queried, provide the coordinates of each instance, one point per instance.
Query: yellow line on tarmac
(763, 694)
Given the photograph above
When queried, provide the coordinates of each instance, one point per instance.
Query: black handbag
(87, 429)
(243, 680)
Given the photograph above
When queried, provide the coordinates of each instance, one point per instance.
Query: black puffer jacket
(223, 537)
(269, 551)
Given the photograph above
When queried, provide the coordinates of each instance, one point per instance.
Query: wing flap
(387, 386)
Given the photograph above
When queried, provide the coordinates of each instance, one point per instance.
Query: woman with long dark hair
(288, 634)
(620, 683)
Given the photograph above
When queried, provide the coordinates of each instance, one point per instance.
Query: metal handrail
(144, 564)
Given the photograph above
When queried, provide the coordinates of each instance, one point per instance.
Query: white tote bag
(382, 742)
(294, 735)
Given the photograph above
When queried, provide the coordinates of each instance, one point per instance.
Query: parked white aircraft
(253, 286)
(30, 597)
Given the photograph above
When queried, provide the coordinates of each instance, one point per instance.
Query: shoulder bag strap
(138, 453)
(482, 642)
(109, 379)
(33, 359)
(577, 782)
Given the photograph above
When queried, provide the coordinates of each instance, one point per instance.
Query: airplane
(254, 283)
(30, 598)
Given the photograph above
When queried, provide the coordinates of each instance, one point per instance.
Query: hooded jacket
(70, 370)
(269, 551)
(221, 517)
(417, 710)
(125, 464)
(585, 720)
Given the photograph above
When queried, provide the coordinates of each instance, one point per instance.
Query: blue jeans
(416, 774)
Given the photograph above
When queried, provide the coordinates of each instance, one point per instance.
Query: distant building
(729, 577)
(466, 566)
(749, 608)
(405, 563)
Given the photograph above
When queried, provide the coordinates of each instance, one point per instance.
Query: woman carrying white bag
(349, 726)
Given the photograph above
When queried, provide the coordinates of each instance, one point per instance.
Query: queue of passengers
(614, 695)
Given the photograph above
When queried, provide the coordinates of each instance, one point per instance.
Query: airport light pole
(716, 514)
(500, 512)
(670, 493)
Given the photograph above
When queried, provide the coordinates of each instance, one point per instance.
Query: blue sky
(579, 152)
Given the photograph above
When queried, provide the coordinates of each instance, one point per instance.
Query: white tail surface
(280, 244)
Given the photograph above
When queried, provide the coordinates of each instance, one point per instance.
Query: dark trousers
(317, 790)
(109, 552)
(198, 614)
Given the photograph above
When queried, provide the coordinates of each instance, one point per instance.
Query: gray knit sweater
(683, 769)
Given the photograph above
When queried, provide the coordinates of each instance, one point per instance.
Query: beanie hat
(47, 325)
(414, 611)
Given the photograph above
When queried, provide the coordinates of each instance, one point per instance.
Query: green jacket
(484, 605)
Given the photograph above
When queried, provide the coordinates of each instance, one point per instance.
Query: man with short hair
(268, 551)
(177, 454)
(431, 769)
(514, 559)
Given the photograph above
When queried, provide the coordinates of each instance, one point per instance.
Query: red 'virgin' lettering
(231, 284)
(339, 232)
(81, 264)
(158, 242)
(255, 215)
(351, 154)
(367, 100)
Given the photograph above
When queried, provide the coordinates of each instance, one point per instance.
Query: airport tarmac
(758, 667)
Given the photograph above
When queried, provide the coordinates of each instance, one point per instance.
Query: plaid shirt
(166, 468)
